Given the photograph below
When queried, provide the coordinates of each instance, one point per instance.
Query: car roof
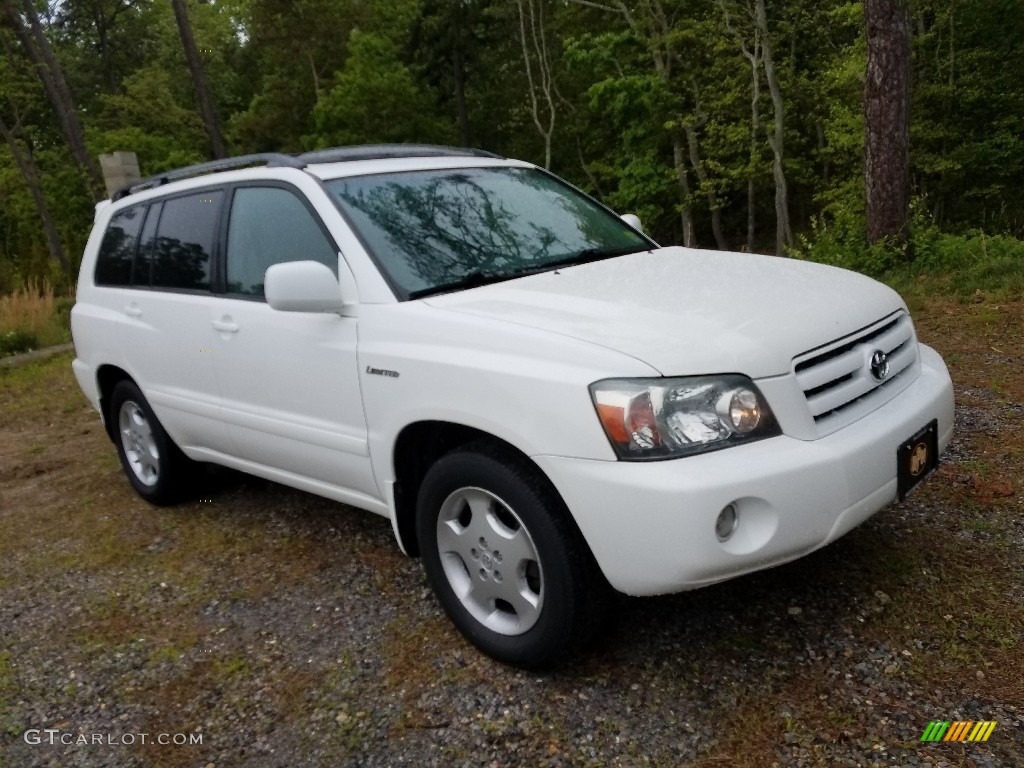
(331, 163)
(329, 171)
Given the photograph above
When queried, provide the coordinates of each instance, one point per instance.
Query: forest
(730, 124)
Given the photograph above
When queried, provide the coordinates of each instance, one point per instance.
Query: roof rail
(278, 159)
(229, 163)
(386, 151)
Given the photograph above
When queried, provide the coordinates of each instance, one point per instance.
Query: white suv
(540, 399)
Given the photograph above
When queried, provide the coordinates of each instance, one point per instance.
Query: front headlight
(668, 418)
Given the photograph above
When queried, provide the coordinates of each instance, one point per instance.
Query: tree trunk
(776, 136)
(754, 57)
(663, 66)
(595, 185)
(39, 52)
(701, 170)
(26, 164)
(316, 75)
(206, 109)
(887, 121)
(538, 38)
(103, 43)
(689, 240)
(826, 168)
(662, 60)
(459, 80)
(702, 177)
(755, 148)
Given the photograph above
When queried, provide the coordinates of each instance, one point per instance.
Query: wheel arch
(107, 377)
(417, 447)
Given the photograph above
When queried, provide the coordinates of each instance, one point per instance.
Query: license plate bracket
(917, 458)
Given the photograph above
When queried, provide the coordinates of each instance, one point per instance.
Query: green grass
(230, 668)
(34, 389)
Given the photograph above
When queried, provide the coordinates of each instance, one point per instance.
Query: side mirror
(633, 220)
(303, 286)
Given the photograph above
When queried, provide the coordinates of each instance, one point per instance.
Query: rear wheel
(158, 471)
(503, 557)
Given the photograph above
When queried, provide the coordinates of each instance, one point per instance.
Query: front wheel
(501, 553)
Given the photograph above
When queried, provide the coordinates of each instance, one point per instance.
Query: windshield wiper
(582, 257)
(470, 280)
(477, 278)
(596, 254)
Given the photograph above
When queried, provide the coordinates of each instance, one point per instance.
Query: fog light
(725, 525)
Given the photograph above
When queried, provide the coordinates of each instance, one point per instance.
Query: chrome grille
(837, 381)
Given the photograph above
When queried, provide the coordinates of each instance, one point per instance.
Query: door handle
(133, 310)
(225, 326)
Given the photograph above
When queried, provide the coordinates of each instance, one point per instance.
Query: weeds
(32, 317)
(965, 266)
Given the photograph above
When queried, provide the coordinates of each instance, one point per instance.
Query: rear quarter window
(117, 251)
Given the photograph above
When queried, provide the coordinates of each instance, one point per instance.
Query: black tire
(157, 469)
(556, 597)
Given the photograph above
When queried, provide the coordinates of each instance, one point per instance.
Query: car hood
(685, 311)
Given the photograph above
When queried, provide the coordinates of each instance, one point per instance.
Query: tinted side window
(142, 271)
(114, 262)
(184, 241)
(268, 226)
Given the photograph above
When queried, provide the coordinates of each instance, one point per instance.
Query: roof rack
(386, 151)
(227, 164)
(278, 159)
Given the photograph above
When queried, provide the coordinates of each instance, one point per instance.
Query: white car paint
(317, 400)
(690, 312)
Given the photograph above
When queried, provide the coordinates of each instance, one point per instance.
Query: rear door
(166, 331)
(289, 380)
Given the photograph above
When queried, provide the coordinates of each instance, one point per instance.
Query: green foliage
(292, 48)
(967, 264)
(13, 342)
(957, 264)
(967, 113)
(375, 99)
(629, 169)
(148, 118)
(629, 92)
(843, 243)
(446, 47)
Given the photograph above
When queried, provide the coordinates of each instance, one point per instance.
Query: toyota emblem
(879, 365)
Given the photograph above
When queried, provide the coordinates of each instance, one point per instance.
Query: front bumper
(651, 526)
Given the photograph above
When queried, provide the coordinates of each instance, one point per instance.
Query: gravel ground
(283, 630)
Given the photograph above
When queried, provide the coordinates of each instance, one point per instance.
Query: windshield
(439, 230)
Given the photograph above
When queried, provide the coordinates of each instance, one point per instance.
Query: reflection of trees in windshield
(450, 227)
(432, 228)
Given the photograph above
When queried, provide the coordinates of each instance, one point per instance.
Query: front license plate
(916, 458)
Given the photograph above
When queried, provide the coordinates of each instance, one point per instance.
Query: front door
(288, 380)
